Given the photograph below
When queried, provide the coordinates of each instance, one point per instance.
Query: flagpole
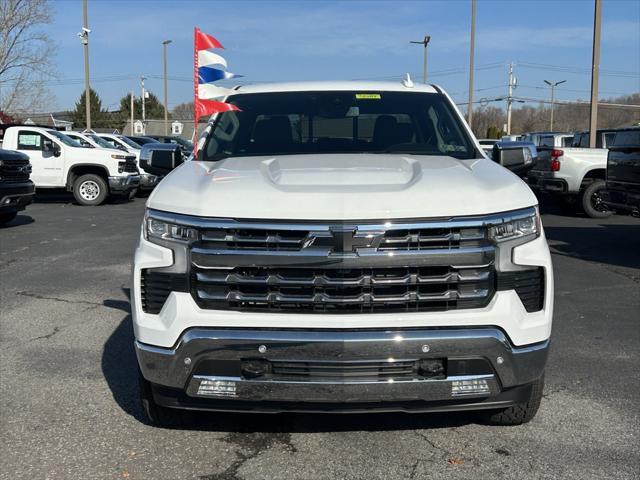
(195, 92)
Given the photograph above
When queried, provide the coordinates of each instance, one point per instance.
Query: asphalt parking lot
(69, 392)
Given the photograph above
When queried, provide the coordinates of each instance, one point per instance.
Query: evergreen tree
(154, 110)
(99, 116)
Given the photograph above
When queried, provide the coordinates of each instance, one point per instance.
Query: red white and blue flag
(209, 67)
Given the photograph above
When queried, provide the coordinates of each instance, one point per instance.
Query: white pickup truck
(121, 142)
(577, 173)
(340, 247)
(92, 174)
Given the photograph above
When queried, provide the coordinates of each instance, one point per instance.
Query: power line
(573, 90)
(577, 70)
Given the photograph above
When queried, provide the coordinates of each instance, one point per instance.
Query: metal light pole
(595, 73)
(166, 101)
(471, 62)
(142, 78)
(84, 38)
(510, 98)
(424, 42)
(553, 86)
(132, 106)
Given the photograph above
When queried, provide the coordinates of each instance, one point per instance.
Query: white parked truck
(340, 246)
(575, 173)
(58, 161)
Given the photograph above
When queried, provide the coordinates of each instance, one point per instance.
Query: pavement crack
(433, 444)
(253, 443)
(47, 336)
(58, 299)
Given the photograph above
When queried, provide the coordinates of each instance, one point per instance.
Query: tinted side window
(546, 141)
(627, 139)
(29, 140)
(609, 139)
(584, 141)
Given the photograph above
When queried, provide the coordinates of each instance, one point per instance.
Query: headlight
(522, 226)
(159, 230)
(119, 157)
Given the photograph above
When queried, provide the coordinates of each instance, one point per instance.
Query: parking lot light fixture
(424, 42)
(553, 86)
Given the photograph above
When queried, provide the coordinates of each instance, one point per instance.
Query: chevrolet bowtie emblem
(349, 240)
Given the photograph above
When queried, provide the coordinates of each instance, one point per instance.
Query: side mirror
(519, 157)
(56, 150)
(160, 158)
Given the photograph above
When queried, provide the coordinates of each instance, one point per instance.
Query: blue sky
(309, 40)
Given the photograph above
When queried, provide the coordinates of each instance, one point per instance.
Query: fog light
(218, 388)
(469, 387)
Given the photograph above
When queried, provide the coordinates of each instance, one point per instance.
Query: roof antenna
(407, 82)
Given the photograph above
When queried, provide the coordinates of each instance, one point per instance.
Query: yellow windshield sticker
(368, 96)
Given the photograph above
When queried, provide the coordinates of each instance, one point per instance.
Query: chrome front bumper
(124, 183)
(203, 356)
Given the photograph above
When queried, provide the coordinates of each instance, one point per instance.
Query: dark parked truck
(16, 190)
(623, 173)
(340, 247)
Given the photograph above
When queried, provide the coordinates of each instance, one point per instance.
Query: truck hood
(340, 186)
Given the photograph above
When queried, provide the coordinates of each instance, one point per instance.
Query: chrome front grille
(342, 267)
(338, 267)
(364, 290)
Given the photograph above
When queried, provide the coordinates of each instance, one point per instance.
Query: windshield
(338, 122)
(100, 141)
(65, 139)
(131, 143)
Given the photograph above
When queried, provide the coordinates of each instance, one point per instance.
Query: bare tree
(25, 55)
(568, 116)
(183, 111)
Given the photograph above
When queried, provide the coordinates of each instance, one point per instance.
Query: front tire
(90, 189)
(519, 413)
(592, 201)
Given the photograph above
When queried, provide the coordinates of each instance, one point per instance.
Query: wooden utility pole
(471, 62)
(595, 73)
